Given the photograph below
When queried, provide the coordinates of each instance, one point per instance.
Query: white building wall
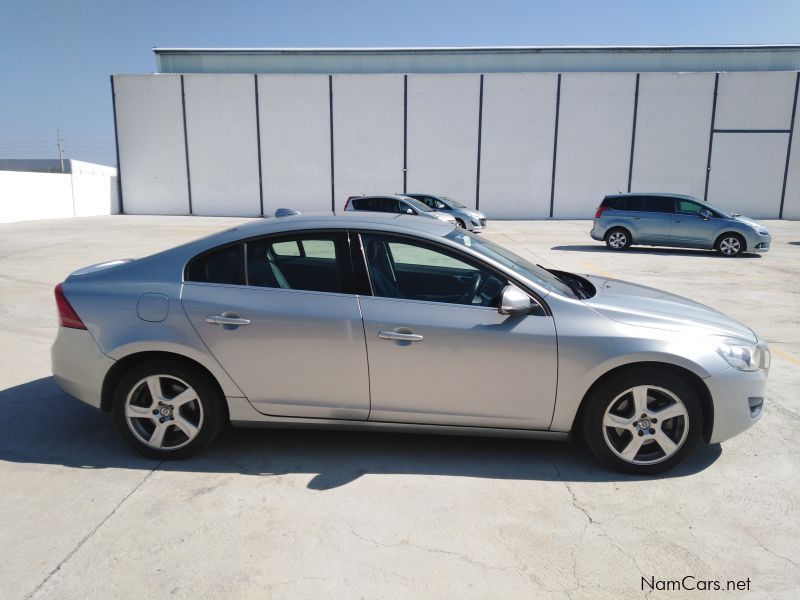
(295, 142)
(594, 140)
(26, 196)
(673, 123)
(368, 158)
(151, 144)
(595, 121)
(517, 145)
(222, 140)
(443, 135)
(791, 201)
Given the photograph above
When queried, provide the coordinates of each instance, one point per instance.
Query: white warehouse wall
(368, 159)
(294, 113)
(223, 144)
(323, 138)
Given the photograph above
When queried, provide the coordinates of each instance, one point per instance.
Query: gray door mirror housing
(409, 211)
(513, 301)
(705, 214)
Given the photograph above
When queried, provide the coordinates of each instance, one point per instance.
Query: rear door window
(225, 265)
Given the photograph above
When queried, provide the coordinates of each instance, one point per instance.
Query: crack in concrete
(89, 535)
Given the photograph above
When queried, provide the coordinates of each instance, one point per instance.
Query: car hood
(747, 220)
(648, 307)
(440, 215)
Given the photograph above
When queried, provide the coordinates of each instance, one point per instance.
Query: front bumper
(732, 393)
(760, 244)
(79, 367)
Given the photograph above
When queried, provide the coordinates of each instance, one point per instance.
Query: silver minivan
(675, 220)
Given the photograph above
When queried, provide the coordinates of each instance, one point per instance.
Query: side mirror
(409, 211)
(704, 214)
(513, 301)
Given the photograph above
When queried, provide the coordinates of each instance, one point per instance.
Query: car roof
(343, 220)
(393, 196)
(655, 194)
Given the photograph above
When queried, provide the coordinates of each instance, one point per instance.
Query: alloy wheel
(617, 240)
(645, 425)
(163, 412)
(730, 246)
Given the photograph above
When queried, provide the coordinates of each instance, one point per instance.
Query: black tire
(618, 238)
(460, 224)
(730, 244)
(206, 413)
(607, 443)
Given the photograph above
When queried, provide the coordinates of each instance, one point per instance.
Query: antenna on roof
(286, 212)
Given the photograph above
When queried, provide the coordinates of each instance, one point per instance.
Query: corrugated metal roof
(507, 59)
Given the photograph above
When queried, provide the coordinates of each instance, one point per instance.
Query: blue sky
(58, 55)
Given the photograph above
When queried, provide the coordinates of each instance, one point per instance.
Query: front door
(288, 330)
(688, 227)
(439, 351)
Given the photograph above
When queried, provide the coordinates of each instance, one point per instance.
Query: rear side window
(225, 265)
(616, 203)
(650, 204)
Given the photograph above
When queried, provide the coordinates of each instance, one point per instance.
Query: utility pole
(60, 149)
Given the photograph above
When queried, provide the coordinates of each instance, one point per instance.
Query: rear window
(225, 265)
(616, 203)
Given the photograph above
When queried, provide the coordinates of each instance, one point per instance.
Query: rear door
(281, 316)
(650, 218)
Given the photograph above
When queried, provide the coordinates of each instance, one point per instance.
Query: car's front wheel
(168, 409)
(643, 422)
(730, 244)
(618, 238)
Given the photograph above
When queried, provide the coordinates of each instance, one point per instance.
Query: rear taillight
(67, 317)
(599, 212)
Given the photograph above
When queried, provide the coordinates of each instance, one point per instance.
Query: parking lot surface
(309, 514)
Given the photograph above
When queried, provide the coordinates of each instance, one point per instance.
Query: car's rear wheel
(643, 422)
(168, 409)
(730, 244)
(618, 238)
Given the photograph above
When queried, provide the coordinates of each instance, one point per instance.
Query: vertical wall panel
(755, 100)
(221, 133)
(295, 142)
(791, 201)
(517, 145)
(151, 144)
(594, 138)
(368, 135)
(443, 135)
(747, 173)
(672, 128)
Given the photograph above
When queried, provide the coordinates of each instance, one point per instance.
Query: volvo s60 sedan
(392, 322)
(675, 220)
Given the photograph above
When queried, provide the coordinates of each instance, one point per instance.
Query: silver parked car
(675, 220)
(271, 323)
(466, 218)
(396, 204)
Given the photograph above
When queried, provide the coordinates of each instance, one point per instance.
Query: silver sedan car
(396, 323)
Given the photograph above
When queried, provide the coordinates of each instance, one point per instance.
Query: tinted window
(616, 203)
(403, 268)
(363, 203)
(650, 204)
(310, 262)
(219, 266)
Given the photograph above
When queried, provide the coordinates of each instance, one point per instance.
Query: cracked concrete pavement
(310, 514)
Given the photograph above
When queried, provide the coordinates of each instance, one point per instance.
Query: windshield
(420, 206)
(510, 260)
(713, 209)
(452, 202)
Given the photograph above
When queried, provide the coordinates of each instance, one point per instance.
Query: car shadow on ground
(42, 425)
(649, 250)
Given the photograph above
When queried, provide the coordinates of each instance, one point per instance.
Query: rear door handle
(400, 337)
(226, 320)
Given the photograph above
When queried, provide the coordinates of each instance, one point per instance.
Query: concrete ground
(293, 514)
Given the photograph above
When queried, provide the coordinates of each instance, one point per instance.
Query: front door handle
(226, 319)
(400, 337)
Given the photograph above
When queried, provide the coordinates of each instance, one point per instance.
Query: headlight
(759, 229)
(743, 355)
